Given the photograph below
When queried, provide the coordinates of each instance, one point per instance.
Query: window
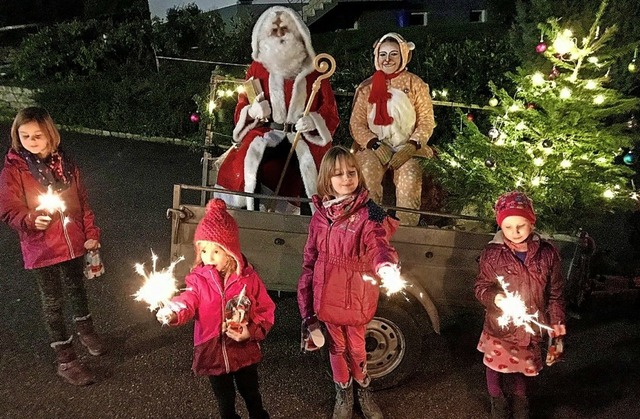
(478, 16)
(418, 19)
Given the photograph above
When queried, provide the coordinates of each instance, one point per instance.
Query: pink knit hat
(219, 227)
(514, 203)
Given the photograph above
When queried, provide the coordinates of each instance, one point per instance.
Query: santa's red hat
(514, 203)
(219, 227)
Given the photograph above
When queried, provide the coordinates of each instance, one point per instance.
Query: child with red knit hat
(530, 266)
(232, 312)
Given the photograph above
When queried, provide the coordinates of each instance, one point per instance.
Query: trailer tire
(394, 345)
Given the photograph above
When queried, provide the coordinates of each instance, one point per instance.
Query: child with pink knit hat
(232, 310)
(529, 266)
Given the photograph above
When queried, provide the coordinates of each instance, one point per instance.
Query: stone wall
(16, 98)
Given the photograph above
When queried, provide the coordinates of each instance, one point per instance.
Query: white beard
(283, 56)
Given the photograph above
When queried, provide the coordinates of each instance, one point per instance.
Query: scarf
(338, 207)
(517, 247)
(54, 170)
(379, 96)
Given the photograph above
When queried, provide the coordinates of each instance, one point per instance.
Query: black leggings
(246, 379)
(53, 281)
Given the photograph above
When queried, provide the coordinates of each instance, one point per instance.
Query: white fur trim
(276, 98)
(242, 128)
(299, 98)
(267, 17)
(324, 136)
(251, 164)
(232, 200)
(404, 120)
(307, 165)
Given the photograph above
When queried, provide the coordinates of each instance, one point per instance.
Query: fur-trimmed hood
(268, 17)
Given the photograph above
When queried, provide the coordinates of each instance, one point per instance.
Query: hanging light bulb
(538, 161)
(240, 89)
(537, 79)
(565, 164)
(598, 100)
(609, 194)
(565, 93)
(591, 85)
(564, 42)
(211, 106)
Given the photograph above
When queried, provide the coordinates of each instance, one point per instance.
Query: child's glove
(312, 338)
(260, 108)
(166, 316)
(403, 155)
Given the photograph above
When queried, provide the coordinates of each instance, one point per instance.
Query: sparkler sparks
(390, 279)
(515, 311)
(159, 286)
(51, 202)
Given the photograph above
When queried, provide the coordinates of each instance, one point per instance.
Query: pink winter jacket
(205, 299)
(19, 192)
(538, 280)
(338, 256)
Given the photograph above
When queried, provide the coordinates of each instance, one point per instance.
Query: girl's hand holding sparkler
(91, 244)
(166, 315)
(391, 279)
(558, 330)
(42, 222)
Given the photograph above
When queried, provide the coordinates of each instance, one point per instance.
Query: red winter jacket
(336, 258)
(538, 280)
(19, 192)
(205, 299)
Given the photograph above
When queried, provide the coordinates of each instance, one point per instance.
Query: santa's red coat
(243, 165)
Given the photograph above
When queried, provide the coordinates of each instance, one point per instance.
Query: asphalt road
(147, 373)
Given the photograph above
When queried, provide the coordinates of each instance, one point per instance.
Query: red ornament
(554, 73)
(195, 117)
(470, 117)
(531, 105)
(541, 47)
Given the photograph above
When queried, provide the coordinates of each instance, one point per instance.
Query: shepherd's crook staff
(326, 65)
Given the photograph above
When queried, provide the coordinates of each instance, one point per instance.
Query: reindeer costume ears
(406, 49)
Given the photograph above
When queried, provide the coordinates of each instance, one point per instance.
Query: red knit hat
(219, 227)
(514, 203)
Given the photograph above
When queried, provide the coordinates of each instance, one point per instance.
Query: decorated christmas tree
(561, 134)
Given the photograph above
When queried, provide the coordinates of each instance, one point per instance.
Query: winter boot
(520, 407)
(499, 408)
(343, 409)
(69, 366)
(88, 336)
(368, 407)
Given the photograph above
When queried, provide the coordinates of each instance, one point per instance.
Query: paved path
(147, 373)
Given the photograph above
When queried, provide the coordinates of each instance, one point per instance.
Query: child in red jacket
(232, 309)
(529, 266)
(54, 240)
(348, 245)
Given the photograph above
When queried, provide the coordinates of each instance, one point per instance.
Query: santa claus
(265, 128)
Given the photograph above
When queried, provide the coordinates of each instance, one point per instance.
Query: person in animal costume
(266, 127)
(391, 122)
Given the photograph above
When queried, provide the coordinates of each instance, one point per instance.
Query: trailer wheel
(394, 345)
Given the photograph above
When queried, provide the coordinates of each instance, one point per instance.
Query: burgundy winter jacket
(337, 258)
(60, 242)
(205, 299)
(539, 281)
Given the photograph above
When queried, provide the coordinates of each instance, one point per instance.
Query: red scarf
(380, 96)
(518, 247)
(338, 207)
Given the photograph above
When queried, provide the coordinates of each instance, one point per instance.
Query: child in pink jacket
(232, 310)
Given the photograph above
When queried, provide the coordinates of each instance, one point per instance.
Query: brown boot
(69, 366)
(88, 336)
(368, 407)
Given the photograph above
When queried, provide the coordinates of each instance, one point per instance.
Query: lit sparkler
(51, 202)
(159, 286)
(390, 279)
(515, 311)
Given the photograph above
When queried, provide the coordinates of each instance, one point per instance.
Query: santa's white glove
(260, 108)
(391, 279)
(305, 124)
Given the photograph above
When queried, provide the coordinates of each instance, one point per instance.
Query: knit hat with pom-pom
(219, 227)
(514, 203)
